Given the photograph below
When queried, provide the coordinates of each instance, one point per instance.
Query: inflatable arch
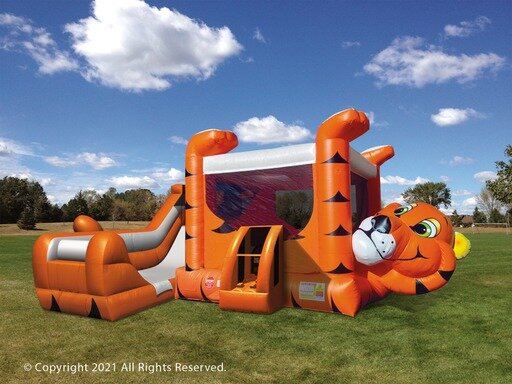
(298, 226)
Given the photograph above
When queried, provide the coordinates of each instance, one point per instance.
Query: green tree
(161, 198)
(142, 202)
(295, 207)
(436, 194)
(27, 218)
(56, 214)
(122, 210)
(502, 186)
(37, 197)
(487, 201)
(75, 207)
(456, 219)
(496, 217)
(479, 216)
(101, 209)
(16, 194)
(90, 196)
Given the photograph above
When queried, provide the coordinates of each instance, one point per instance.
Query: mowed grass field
(459, 334)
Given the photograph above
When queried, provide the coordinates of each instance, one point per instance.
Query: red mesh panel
(249, 198)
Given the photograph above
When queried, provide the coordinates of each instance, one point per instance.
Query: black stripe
(337, 159)
(202, 294)
(187, 173)
(187, 268)
(420, 288)
(181, 200)
(340, 231)
(188, 206)
(341, 269)
(337, 198)
(296, 237)
(334, 307)
(95, 312)
(55, 306)
(224, 228)
(446, 274)
(180, 294)
(294, 303)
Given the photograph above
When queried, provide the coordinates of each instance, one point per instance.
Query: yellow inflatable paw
(462, 246)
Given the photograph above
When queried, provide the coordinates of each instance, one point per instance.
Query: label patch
(311, 291)
(209, 283)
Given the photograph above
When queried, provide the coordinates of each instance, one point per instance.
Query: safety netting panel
(279, 196)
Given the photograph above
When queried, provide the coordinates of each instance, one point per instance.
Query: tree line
(25, 202)
(493, 199)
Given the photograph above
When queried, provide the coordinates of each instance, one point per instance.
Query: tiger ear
(461, 245)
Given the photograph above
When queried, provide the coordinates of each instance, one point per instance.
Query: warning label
(312, 291)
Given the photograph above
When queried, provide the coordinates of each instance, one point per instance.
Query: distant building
(467, 220)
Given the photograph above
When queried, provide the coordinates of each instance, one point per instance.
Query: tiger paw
(212, 142)
(348, 124)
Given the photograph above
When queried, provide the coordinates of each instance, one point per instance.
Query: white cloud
(461, 160)
(96, 161)
(37, 43)
(401, 180)
(12, 148)
(46, 181)
(373, 123)
(268, 130)
(394, 198)
(15, 21)
(130, 45)
(52, 198)
(172, 174)
(446, 211)
(445, 179)
(133, 182)
(350, 44)
(259, 36)
(483, 176)
(26, 176)
(469, 202)
(409, 61)
(453, 116)
(57, 161)
(461, 192)
(467, 28)
(178, 140)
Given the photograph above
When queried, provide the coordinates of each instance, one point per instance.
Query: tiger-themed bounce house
(297, 226)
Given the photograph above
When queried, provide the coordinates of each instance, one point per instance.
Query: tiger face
(408, 249)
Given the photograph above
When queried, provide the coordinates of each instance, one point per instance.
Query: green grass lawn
(459, 334)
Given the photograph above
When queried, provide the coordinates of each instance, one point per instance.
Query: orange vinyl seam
(267, 257)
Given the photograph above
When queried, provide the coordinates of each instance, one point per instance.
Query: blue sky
(106, 93)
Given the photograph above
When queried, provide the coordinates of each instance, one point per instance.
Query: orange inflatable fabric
(299, 226)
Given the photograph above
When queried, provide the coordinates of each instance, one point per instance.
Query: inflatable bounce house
(297, 226)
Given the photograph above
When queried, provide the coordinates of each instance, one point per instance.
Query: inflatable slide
(111, 274)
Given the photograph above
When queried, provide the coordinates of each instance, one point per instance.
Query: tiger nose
(381, 224)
